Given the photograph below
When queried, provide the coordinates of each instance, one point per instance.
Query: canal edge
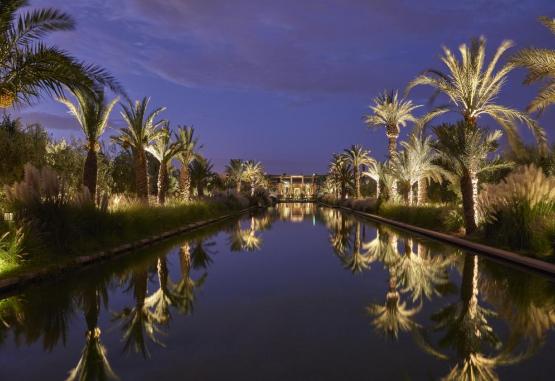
(37, 276)
(478, 248)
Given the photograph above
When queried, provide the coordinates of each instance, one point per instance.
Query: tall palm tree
(141, 130)
(340, 172)
(392, 112)
(253, 173)
(164, 151)
(28, 67)
(186, 135)
(92, 113)
(472, 89)
(235, 172)
(357, 157)
(202, 176)
(463, 150)
(541, 67)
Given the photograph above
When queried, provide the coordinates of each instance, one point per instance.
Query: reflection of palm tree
(161, 300)
(93, 364)
(340, 234)
(139, 320)
(469, 333)
(201, 254)
(419, 273)
(184, 290)
(394, 315)
(358, 260)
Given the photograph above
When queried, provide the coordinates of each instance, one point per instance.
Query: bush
(368, 205)
(519, 212)
(429, 217)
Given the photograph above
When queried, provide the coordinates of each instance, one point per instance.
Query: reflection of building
(295, 212)
(295, 187)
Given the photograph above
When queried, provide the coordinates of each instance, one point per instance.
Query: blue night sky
(284, 82)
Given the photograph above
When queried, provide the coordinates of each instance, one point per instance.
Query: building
(295, 187)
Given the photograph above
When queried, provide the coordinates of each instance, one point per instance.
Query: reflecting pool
(297, 292)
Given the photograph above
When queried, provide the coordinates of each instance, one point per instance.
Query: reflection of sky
(288, 311)
(283, 82)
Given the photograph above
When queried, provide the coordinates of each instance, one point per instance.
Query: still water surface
(295, 293)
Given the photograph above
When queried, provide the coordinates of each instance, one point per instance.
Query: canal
(297, 292)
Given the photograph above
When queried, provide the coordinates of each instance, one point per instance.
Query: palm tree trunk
(378, 189)
(238, 189)
(356, 173)
(90, 172)
(141, 175)
(162, 183)
(392, 145)
(185, 182)
(468, 203)
(469, 285)
(411, 194)
(422, 192)
(474, 182)
(185, 260)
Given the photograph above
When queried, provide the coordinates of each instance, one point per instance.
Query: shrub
(368, 205)
(429, 217)
(519, 211)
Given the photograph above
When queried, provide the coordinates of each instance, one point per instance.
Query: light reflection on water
(298, 292)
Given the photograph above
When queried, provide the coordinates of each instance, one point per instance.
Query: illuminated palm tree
(93, 364)
(541, 67)
(164, 151)
(416, 165)
(340, 171)
(463, 151)
(139, 320)
(141, 130)
(253, 173)
(472, 89)
(235, 172)
(92, 113)
(356, 156)
(28, 67)
(186, 136)
(392, 112)
(375, 171)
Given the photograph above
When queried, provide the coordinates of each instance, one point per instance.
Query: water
(296, 293)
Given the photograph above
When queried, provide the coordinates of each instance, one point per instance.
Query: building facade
(295, 187)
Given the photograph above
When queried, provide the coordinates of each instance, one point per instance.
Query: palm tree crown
(541, 67)
(472, 89)
(92, 113)
(29, 67)
(392, 112)
(357, 156)
(235, 172)
(188, 153)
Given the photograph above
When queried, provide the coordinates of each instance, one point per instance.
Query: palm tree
(472, 90)
(141, 130)
(391, 112)
(340, 171)
(92, 113)
(423, 156)
(186, 135)
(356, 156)
(235, 172)
(29, 67)
(375, 171)
(463, 150)
(184, 291)
(164, 151)
(201, 175)
(541, 67)
(253, 173)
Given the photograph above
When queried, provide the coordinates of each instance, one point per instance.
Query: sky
(284, 82)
